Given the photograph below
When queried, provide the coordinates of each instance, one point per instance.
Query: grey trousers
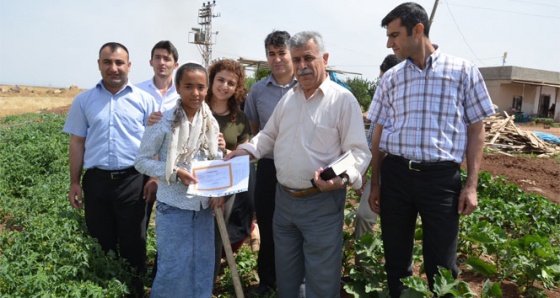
(308, 243)
(365, 218)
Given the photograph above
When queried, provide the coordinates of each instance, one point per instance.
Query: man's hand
(374, 199)
(150, 190)
(327, 185)
(154, 118)
(235, 153)
(468, 200)
(75, 196)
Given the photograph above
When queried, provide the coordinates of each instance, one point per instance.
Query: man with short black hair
(164, 61)
(428, 114)
(106, 124)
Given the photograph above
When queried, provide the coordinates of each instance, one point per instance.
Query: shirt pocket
(324, 139)
(133, 122)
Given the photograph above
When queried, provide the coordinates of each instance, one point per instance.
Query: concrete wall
(503, 92)
(506, 82)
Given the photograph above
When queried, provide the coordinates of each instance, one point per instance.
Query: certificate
(217, 178)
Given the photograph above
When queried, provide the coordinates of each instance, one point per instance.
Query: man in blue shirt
(106, 124)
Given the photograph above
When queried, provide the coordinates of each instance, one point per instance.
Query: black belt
(114, 174)
(424, 166)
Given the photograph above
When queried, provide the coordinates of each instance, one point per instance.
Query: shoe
(260, 290)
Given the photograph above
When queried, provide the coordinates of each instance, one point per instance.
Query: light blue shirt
(164, 103)
(425, 112)
(113, 124)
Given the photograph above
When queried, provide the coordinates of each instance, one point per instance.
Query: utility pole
(203, 36)
(433, 12)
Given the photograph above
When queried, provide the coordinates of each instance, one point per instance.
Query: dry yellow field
(28, 99)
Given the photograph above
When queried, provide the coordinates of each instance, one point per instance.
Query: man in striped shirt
(428, 114)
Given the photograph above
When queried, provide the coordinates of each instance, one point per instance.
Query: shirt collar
(431, 61)
(153, 84)
(323, 87)
(271, 80)
(100, 85)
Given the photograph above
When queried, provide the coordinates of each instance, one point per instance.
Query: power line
(506, 11)
(460, 32)
(535, 3)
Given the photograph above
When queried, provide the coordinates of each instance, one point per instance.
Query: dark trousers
(406, 193)
(115, 214)
(265, 198)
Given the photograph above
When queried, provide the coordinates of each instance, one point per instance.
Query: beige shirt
(306, 134)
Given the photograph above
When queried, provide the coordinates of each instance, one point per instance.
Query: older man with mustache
(312, 125)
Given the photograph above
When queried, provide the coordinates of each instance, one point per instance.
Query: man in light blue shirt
(106, 124)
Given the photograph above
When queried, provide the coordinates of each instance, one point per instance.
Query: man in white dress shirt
(312, 125)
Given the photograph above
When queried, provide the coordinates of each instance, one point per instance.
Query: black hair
(166, 45)
(278, 39)
(186, 68)
(410, 14)
(389, 61)
(113, 46)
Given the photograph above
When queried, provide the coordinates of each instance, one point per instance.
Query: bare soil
(531, 174)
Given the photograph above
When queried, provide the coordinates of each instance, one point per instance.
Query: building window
(516, 104)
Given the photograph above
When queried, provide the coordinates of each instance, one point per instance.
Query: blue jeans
(185, 242)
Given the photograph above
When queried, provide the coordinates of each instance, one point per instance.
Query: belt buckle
(116, 175)
(410, 166)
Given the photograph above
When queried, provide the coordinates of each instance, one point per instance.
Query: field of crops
(512, 238)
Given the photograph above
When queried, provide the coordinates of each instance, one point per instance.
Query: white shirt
(306, 134)
(164, 103)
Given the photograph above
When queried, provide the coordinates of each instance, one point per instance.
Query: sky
(55, 43)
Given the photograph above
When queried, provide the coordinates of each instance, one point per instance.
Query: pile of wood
(504, 136)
